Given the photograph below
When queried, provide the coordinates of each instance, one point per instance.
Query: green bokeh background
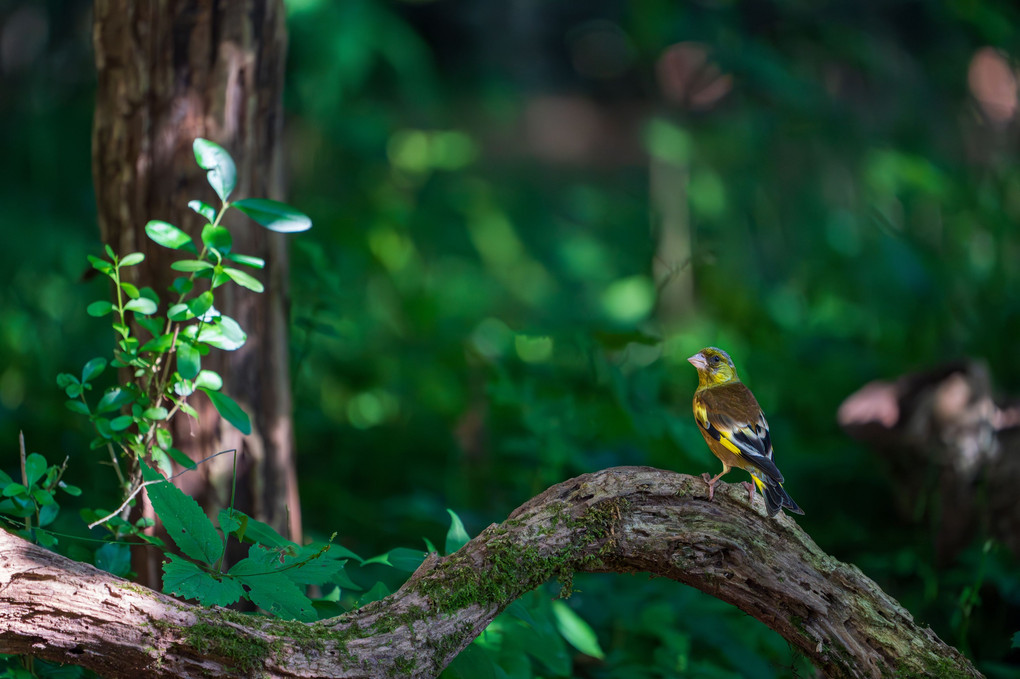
(474, 312)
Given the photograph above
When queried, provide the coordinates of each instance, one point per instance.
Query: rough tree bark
(622, 520)
(170, 71)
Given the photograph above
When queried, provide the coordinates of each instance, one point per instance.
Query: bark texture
(170, 71)
(621, 520)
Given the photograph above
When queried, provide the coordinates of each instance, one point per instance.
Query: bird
(735, 429)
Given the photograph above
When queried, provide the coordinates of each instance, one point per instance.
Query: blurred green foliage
(477, 316)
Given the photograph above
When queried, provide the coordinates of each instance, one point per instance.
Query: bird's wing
(730, 415)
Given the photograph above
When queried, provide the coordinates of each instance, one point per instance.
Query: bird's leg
(750, 492)
(710, 482)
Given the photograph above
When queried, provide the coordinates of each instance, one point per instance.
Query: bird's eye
(716, 359)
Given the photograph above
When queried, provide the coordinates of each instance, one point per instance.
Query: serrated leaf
(141, 305)
(35, 468)
(112, 400)
(168, 235)
(93, 369)
(190, 265)
(261, 533)
(311, 566)
(576, 631)
(221, 172)
(405, 559)
(185, 579)
(248, 260)
(244, 280)
(229, 521)
(229, 410)
(99, 309)
(189, 361)
(132, 259)
(270, 589)
(456, 537)
(114, 559)
(274, 215)
(377, 591)
(184, 520)
(207, 211)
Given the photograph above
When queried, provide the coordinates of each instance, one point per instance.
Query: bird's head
(714, 367)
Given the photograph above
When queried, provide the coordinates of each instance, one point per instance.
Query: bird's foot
(710, 482)
(750, 492)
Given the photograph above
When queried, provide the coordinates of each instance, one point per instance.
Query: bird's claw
(710, 482)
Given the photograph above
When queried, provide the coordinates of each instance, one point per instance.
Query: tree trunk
(170, 71)
(620, 520)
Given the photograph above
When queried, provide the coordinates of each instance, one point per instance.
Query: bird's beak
(698, 361)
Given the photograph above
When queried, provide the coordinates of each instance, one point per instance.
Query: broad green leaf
(141, 305)
(208, 379)
(160, 344)
(270, 589)
(47, 515)
(77, 407)
(131, 290)
(312, 566)
(576, 631)
(405, 559)
(100, 265)
(109, 251)
(180, 458)
(189, 361)
(229, 521)
(168, 235)
(164, 439)
(157, 413)
(184, 520)
(217, 237)
(132, 259)
(247, 260)
(243, 279)
(179, 312)
(185, 579)
(456, 537)
(99, 309)
(201, 304)
(207, 211)
(274, 215)
(181, 285)
(261, 533)
(35, 468)
(377, 591)
(64, 380)
(229, 410)
(121, 423)
(93, 369)
(190, 265)
(222, 174)
(14, 489)
(114, 558)
(112, 400)
(225, 334)
(74, 491)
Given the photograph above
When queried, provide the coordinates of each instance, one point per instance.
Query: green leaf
(261, 533)
(229, 521)
(69, 489)
(229, 410)
(157, 413)
(183, 518)
(112, 400)
(114, 558)
(576, 631)
(35, 468)
(404, 559)
(93, 369)
(141, 305)
(160, 344)
(100, 265)
(201, 304)
(207, 211)
(222, 174)
(243, 279)
(474, 662)
(99, 309)
(312, 566)
(132, 259)
(77, 407)
(274, 215)
(224, 334)
(164, 439)
(168, 235)
(179, 312)
(131, 290)
(1016, 640)
(190, 265)
(121, 423)
(180, 458)
(378, 591)
(209, 380)
(456, 537)
(185, 579)
(248, 260)
(189, 361)
(14, 489)
(217, 238)
(270, 589)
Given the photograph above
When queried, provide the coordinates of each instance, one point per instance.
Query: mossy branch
(620, 520)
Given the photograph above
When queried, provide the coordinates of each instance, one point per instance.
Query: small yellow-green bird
(735, 429)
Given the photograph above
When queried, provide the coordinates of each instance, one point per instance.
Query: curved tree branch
(625, 519)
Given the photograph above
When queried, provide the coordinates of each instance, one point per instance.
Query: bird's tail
(776, 497)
